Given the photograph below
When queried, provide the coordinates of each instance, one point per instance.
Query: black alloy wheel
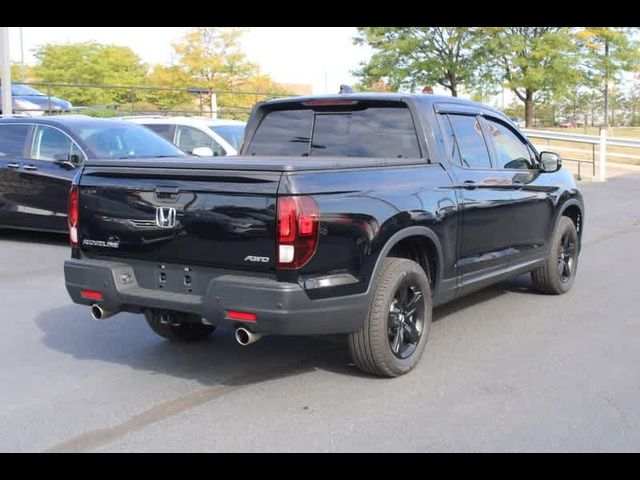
(406, 319)
(566, 257)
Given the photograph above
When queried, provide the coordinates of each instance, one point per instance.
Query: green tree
(238, 104)
(531, 60)
(211, 58)
(617, 103)
(172, 83)
(577, 104)
(514, 110)
(633, 104)
(20, 73)
(607, 52)
(411, 56)
(89, 63)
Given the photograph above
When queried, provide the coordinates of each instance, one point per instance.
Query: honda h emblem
(165, 217)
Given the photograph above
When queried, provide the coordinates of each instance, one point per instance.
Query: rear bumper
(281, 308)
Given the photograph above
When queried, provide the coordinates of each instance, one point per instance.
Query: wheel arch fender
(572, 202)
(397, 237)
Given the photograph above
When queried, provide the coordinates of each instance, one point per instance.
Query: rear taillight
(298, 221)
(74, 215)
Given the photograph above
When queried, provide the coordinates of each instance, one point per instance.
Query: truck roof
(388, 96)
(424, 100)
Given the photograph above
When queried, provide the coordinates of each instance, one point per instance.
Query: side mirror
(66, 161)
(202, 152)
(550, 162)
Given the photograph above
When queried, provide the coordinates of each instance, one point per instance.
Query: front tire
(178, 327)
(559, 272)
(395, 333)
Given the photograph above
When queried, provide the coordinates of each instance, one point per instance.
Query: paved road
(505, 370)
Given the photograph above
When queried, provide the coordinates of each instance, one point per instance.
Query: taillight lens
(298, 221)
(74, 215)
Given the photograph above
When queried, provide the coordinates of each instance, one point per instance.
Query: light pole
(5, 72)
(606, 83)
(22, 75)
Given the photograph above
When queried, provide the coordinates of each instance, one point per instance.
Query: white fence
(594, 146)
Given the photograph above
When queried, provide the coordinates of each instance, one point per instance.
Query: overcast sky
(320, 56)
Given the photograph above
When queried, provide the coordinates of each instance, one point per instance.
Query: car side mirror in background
(202, 152)
(550, 162)
(66, 161)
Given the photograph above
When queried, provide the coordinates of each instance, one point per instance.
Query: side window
(50, 143)
(166, 131)
(12, 140)
(190, 138)
(511, 152)
(473, 148)
(77, 153)
(452, 145)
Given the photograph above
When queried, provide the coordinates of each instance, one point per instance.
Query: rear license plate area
(178, 279)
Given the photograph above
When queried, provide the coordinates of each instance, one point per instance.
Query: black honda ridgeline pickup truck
(349, 214)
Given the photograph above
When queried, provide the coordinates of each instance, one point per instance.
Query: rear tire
(178, 327)
(395, 332)
(559, 272)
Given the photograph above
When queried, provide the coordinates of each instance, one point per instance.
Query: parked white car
(199, 136)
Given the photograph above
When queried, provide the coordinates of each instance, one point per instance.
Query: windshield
(126, 141)
(19, 89)
(232, 134)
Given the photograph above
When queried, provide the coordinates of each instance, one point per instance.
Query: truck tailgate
(218, 218)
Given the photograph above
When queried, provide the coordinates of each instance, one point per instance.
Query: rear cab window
(361, 130)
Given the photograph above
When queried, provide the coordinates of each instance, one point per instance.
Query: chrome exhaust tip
(99, 313)
(244, 337)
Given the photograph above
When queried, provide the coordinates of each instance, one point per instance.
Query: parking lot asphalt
(505, 369)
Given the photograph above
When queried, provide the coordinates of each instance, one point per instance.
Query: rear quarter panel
(362, 209)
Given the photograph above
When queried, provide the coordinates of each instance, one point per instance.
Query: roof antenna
(345, 89)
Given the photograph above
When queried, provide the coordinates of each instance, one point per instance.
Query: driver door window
(52, 144)
(191, 138)
(511, 153)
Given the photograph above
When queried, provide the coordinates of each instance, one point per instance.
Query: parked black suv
(352, 214)
(40, 156)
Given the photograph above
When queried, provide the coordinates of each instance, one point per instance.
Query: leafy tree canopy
(89, 63)
(407, 57)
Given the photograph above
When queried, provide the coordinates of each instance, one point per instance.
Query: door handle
(469, 185)
(13, 165)
(30, 167)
